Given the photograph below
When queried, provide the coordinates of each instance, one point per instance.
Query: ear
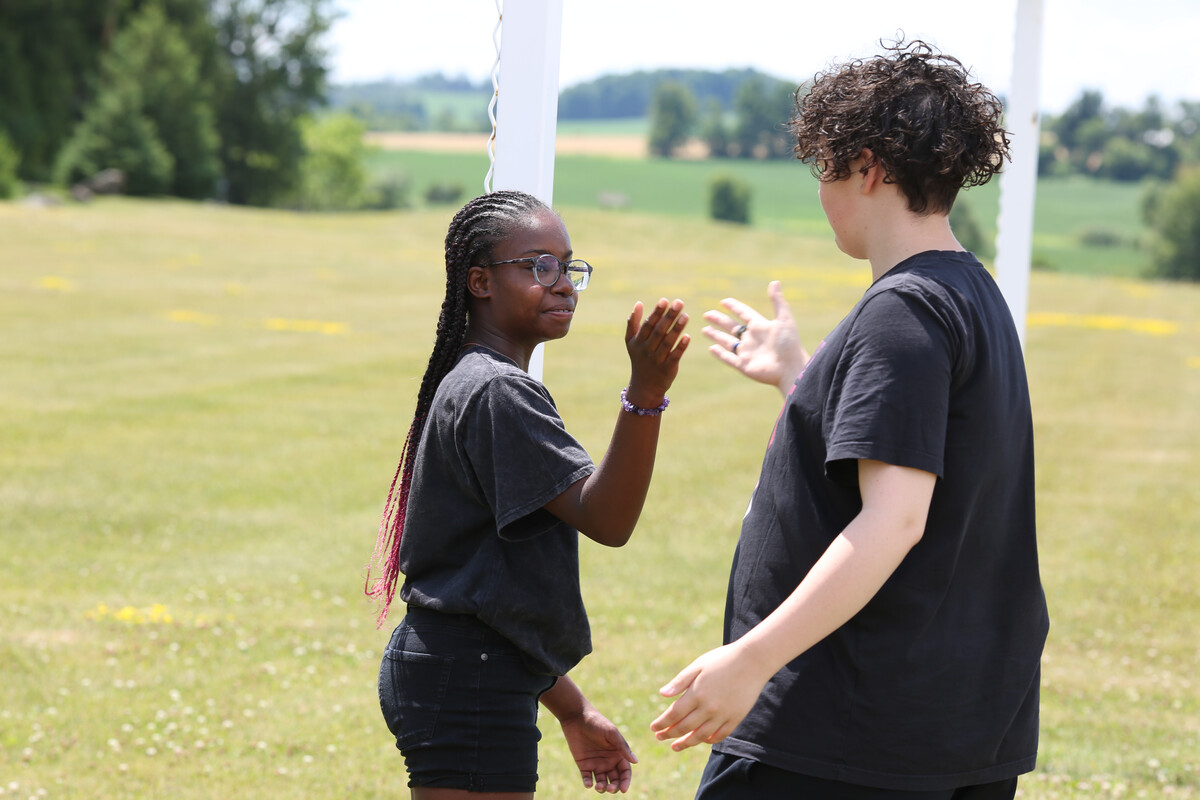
(478, 283)
(872, 172)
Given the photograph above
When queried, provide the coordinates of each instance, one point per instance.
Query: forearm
(606, 505)
(615, 493)
(715, 692)
(852, 570)
(565, 700)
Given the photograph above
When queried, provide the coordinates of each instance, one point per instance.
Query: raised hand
(766, 350)
(655, 346)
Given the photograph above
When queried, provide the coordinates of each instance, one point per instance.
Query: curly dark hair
(917, 110)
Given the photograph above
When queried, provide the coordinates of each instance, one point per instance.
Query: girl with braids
(485, 511)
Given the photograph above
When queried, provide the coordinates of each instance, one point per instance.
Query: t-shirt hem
(549, 494)
(861, 776)
(900, 457)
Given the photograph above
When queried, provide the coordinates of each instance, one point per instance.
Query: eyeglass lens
(547, 269)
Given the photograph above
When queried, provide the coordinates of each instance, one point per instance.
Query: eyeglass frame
(568, 267)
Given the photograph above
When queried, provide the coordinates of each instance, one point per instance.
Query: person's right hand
(655, 346)
(766, 350)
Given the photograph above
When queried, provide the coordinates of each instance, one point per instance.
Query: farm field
(202, 406)
(593, 169)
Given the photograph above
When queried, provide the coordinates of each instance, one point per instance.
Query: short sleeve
(890, 397)
(521, 453)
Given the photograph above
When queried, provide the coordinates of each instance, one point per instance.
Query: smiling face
(510, 311)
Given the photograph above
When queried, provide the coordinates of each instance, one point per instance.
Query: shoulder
(485, 380)
(480, 369)
(942, 284)
(936, 273)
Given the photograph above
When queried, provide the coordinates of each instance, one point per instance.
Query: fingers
(726, 355)
(633, 321)
(726, 341)
(647, 326)
(775, 292)
(725, 324)
(662, 330)
(709, 733)
(626, 752)
(681, 708)
(680, 683)
(688, 725)
(743, 312)
(608, 779)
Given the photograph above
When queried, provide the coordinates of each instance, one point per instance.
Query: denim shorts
(461, 703)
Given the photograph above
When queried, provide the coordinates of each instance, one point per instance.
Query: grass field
(201, 408)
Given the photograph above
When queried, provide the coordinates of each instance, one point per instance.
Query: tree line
(1155, 145)
(219, 99)
(1088, 138)
(191, 98)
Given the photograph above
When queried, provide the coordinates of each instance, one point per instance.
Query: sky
(1126, 50)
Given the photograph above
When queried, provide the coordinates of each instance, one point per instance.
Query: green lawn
(202, 406)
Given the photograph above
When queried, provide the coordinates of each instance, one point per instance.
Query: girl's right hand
(655, 346)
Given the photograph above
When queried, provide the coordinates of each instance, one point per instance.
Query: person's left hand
(714, 694)
(603, 756)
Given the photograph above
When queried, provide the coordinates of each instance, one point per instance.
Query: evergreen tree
(270, 73)
(115, 134)
(763, 110)
(672, 118)
(152, 118)
(152, 52)
(1088, 108)
(716, 131)
(48, 60)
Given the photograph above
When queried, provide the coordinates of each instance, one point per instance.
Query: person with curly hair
(885, 616)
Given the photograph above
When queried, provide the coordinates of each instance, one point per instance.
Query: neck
(903, 234)
(498, 344)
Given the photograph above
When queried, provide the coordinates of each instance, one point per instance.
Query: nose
(563, 285)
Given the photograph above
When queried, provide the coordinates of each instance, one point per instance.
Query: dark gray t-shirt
(477, 539)
(934, 684)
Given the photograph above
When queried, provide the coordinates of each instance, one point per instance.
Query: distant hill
(629, 95)
(432, 102)
(436, 102)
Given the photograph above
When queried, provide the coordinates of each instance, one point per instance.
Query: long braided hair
(472, 235)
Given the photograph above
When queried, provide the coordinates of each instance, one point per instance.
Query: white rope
(491, 144)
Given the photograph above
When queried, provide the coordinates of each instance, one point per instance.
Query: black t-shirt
(477, 539)
(934, 684)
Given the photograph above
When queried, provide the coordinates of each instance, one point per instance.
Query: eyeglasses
(547, 269)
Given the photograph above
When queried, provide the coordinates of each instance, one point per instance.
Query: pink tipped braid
(472, 233)
(386, 556)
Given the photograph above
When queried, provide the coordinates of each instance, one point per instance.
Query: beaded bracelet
(643, 412)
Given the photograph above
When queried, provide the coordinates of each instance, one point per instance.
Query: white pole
(1018, 183)
(527, 105)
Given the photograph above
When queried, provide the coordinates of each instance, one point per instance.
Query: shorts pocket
(412, 687)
